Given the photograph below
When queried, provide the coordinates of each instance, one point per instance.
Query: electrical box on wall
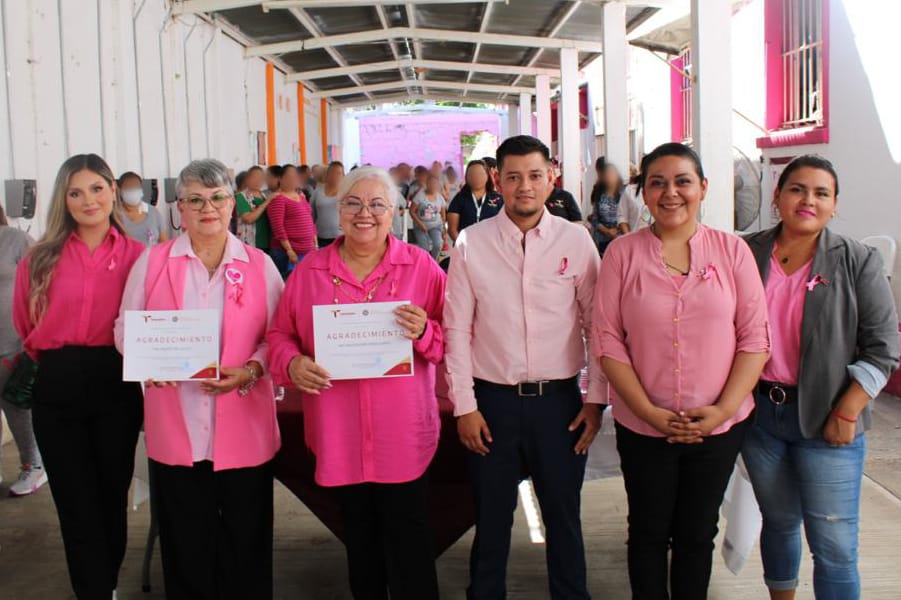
(21, 198)
(151, 191)
(169, 190)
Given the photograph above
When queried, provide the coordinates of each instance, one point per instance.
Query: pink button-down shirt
(201, 292)
(517, 313)
(365, 430)
(84, 294)
(680, 339)
(785, 295)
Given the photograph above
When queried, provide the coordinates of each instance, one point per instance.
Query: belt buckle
(523, 394)
(777, 391)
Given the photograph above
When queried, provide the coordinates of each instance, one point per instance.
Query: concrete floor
(309, 561)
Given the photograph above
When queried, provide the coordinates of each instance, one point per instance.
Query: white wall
(120, 79)
(863, 143)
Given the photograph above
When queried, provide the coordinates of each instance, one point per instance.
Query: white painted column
(616, 97)
(569, 142)
(711, 113)
(525, 114)
(543, 108)
(510, 126)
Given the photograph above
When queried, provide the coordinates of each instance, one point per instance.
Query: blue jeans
(431, 241)
(796, 481)
(282, 263)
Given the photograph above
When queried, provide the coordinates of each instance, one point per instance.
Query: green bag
(20, 385)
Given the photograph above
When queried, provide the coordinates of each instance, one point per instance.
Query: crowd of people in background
(702, 342)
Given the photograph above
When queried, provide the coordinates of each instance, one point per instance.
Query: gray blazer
(851, 318)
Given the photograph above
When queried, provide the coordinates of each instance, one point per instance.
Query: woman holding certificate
(86, 420)
(373, 437)
(210, 442)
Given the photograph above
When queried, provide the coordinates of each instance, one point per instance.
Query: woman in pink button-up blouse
(373, 438)
(681, 330)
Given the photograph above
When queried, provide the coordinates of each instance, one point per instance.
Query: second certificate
(361, 341)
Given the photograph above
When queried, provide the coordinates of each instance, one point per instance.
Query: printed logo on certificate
(171, 345)
(361, 341)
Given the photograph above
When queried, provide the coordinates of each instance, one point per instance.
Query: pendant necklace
(367, 294)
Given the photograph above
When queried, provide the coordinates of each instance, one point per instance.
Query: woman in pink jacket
(210, 442)
(373, 438)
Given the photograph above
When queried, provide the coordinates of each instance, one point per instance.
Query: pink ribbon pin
(708, 271)
(112, 265)
(816, 280)
(564, 264)
(236, 279)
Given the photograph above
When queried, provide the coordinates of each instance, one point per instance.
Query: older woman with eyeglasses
(373, 438)
(210, 442)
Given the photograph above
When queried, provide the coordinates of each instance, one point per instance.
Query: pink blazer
(246, 433)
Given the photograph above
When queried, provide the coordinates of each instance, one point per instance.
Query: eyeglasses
(197, 203)
(354, 207)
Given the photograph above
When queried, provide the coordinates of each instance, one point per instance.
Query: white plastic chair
(887, 247)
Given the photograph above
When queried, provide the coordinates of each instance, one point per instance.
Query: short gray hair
(208, 172)
(371, 174)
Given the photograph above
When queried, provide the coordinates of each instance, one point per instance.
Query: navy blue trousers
(531, 439)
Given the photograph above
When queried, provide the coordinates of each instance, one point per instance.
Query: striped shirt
(292, 221)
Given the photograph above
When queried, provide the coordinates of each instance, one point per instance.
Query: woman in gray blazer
(834, 344)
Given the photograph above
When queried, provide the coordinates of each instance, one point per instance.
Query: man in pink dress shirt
(519, 299)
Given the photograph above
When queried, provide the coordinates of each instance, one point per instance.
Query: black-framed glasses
(197, 203)
(354, 207)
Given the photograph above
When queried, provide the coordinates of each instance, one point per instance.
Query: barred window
(802, 63)
(685, 91)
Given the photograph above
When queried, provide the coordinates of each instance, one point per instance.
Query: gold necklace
(367, 296)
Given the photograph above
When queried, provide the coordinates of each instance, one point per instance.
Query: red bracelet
(844, 418)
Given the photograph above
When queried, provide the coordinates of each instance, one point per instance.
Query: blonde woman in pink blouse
(681, 332)
(373, 438)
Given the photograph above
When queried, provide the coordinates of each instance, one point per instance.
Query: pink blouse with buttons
(680, 338)
(365, 430)
(83, 298)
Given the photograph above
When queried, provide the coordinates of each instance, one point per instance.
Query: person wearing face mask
(681, 332)
(140, 222)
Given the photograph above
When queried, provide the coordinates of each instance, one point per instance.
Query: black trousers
(215, 531)
(86, 422)
(675, 492)
(388, 540)
(531, 438)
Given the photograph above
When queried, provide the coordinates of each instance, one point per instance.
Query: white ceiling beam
(192, 7)
(277, 4)
(554, 31)
(304, 19)
(236, 34)
(383, 19)
(438, 85)
(417, 44)
(444, 65)
(422, 34)
(486, 16)
(438, 97)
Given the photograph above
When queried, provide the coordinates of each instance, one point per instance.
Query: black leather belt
(530, 389)
(777, 393)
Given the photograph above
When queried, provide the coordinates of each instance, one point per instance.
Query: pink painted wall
(420, 139)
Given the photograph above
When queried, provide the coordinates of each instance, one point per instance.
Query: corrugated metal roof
(560, 19)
